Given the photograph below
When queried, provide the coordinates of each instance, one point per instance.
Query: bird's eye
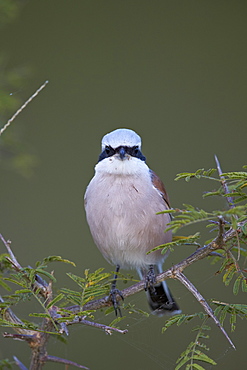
(107, 149)
(136, 150)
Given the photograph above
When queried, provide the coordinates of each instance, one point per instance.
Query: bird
(122, 202)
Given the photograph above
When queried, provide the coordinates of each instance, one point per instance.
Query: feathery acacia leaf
(177, 241)
(234, 310)
(194, 351)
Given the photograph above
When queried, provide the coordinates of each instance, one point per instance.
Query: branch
(22, 107)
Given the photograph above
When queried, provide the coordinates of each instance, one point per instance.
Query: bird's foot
(114, 293)
(150, 279)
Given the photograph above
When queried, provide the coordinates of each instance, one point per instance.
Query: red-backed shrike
(121, 202)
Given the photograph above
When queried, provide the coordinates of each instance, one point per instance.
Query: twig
(107, 329)
(62, 361)
(55, 316)
(19, 363)
(230, 200)
(183, 279)
(27, 338)
(22, 107)
(224, 183)
(12, 256)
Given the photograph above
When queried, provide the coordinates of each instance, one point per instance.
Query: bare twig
(19, 363)
(62, 361)
(22, 107)
(185, 281)
(13, 260)
(107, 329)
(230, 200)
(224, 183)
(27, 338)
(55, 316)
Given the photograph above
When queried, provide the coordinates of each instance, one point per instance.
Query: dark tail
(161, 300)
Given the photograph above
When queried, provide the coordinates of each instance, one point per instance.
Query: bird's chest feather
(122, 215)
(123, 204)
(126, 196)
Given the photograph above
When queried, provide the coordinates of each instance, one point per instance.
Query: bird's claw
(113, 297)
(150, 279)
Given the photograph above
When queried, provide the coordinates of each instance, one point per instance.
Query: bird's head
(121, 144)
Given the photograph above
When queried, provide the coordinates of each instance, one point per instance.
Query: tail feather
(159, 295)
(161, 300)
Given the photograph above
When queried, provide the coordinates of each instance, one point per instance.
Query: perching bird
(121, 203)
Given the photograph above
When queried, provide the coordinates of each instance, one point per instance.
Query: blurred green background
(175, 72)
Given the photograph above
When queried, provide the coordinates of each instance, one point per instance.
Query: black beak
(122, 152)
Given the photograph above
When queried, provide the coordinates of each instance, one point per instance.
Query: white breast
(121, 205)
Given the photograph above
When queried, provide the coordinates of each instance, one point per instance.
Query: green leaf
(244, 228)
(77, 279)
(197, 366)
(39, 315)
(71, 292)
(211, 193)
(46, 273)
(182, 362)
(223, 315)
(177, 241)
(231, 270)
(202, 357)
(233, 320)
(237, 285)
(235, 175)
(116, 321)
(16, 282)
(6, 363)
(5, 286)
(201, 173)
(23, 291)
(244, 285)
(58, 298)
(57, 259)
(209, 172)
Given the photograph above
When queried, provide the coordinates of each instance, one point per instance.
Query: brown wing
(158, 184)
